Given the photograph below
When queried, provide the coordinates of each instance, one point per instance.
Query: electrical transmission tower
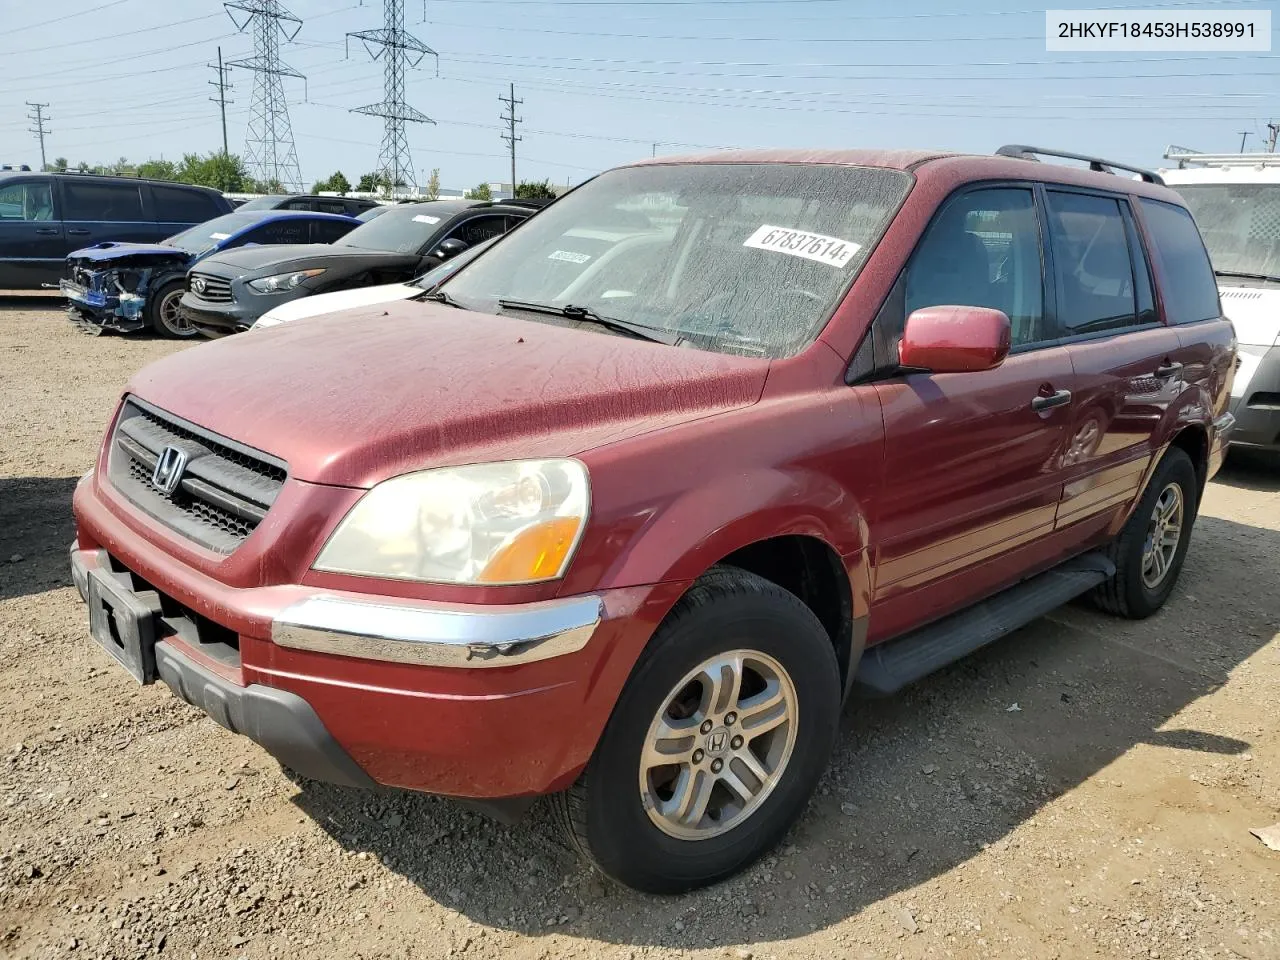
(270, 155)
(510, 119)
(399, 51)
(38, 118)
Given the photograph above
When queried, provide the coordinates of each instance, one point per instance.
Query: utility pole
(38, 118)
(221, 99)
(269, 151)
(401, 50)
(1273, 130)
(1244, 135)
(510, 119)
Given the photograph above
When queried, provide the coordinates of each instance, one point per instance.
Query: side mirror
(449, 248)
(954, 339)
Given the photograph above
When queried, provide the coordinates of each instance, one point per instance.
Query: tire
(728, 612)
(1131, 592)
(163, 316)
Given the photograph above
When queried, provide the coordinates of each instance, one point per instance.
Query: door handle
(1051, 401)
(77, 232)
(1168, 370)
(46, 231)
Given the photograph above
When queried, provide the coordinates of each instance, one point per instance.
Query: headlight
(495, 523)
(283, 281)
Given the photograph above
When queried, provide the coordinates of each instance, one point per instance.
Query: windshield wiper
(1247, 276)
(573, 312)
(441, 296)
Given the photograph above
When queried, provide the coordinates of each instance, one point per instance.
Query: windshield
(404, 229)
(262, 203)
(433, 277)
(1240, 223)
(207, 235)
(739, 258)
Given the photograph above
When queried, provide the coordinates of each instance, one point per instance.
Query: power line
(270, 154)
(38, 118)
(400, 51)
(120, 36)
(10, 31)
(510, 119)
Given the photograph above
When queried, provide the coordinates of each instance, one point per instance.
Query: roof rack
(1185, 156)
(1096, 164)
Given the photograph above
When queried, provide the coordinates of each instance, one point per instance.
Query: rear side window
(29, 200)
(1091, 263)
(983, 250)
(330, 206)
(302, 203)
(93, 201)
(327, 231)
(1191, 291)
(175, 205)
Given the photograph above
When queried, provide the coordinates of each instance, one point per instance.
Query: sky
(607, 81)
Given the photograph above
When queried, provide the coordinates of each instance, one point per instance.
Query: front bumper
(1257, 409)
(123, 313)
(463, 700)
(234, 316)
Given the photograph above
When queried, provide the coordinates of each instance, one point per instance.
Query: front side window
(93, 201)
(1240, 223)
(1091, 263)
(293, 230)
(738, 258)
(327, 231)
(479, 229)
(27, 200)
(1191, 291)
(983, 250)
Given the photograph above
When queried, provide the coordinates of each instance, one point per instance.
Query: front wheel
(717, 740)
(165, 316)
(1150, 550)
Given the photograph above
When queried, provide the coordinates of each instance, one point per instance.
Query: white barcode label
(569, 256)
(219, 236)
(797, 243)
(423, 218)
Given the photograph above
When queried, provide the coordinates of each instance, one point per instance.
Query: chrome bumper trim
(455, 635)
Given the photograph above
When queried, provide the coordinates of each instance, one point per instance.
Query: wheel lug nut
(697, 756)
(706, 726)
(730, 719)
(717, 766)
(736, 743)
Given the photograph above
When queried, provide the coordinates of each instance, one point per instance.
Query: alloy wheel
(1164, 531)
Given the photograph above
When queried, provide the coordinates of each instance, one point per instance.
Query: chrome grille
(225, 488)
(215, 289)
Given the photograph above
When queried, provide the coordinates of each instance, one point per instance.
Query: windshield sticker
(423, 218)
(796, 243)
(569, 256)
(219, 236)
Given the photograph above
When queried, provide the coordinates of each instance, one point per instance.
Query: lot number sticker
(796, 243)
(219, 236)
(423, 218)
(569, 256)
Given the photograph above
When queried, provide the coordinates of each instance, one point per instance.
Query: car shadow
(1250, 470)
(36, 530)
(919, 783)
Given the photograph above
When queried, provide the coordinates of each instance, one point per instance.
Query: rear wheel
(717, 740)
(165, 316)
(1151, 548)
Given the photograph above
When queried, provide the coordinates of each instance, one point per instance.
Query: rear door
(1122, 354)
(32, 248)
(972, 460)
(176, 208)
(95, 211)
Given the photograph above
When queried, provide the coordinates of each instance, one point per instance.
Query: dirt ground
(1084, 788)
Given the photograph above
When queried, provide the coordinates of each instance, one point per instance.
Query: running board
(888, 667)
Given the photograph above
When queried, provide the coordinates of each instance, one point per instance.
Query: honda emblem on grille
(198, 284)
(168, 472)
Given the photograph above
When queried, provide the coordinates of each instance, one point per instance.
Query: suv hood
(356, 397)
(1253, 310)
(243, 261)
(112, 252)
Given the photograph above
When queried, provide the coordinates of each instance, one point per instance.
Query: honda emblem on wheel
(168, 472)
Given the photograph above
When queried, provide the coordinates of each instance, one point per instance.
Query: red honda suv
(625, 510)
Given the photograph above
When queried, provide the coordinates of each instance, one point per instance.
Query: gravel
(1085, 788)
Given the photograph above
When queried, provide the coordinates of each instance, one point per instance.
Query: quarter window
(1091, 263)
(983, 250)
(1192, 290)
(94, 201)
(175, 205)
(32, 200)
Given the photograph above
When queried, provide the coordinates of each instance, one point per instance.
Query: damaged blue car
(126, 287)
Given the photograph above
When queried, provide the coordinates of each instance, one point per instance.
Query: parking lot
(1085, 787)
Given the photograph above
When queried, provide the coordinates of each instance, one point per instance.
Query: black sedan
(227, 292)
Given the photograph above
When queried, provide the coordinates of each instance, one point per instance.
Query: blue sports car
(127, 287)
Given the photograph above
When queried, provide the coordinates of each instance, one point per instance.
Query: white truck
(1235, 199)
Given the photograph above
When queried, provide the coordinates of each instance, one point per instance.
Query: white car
(1235, 199)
